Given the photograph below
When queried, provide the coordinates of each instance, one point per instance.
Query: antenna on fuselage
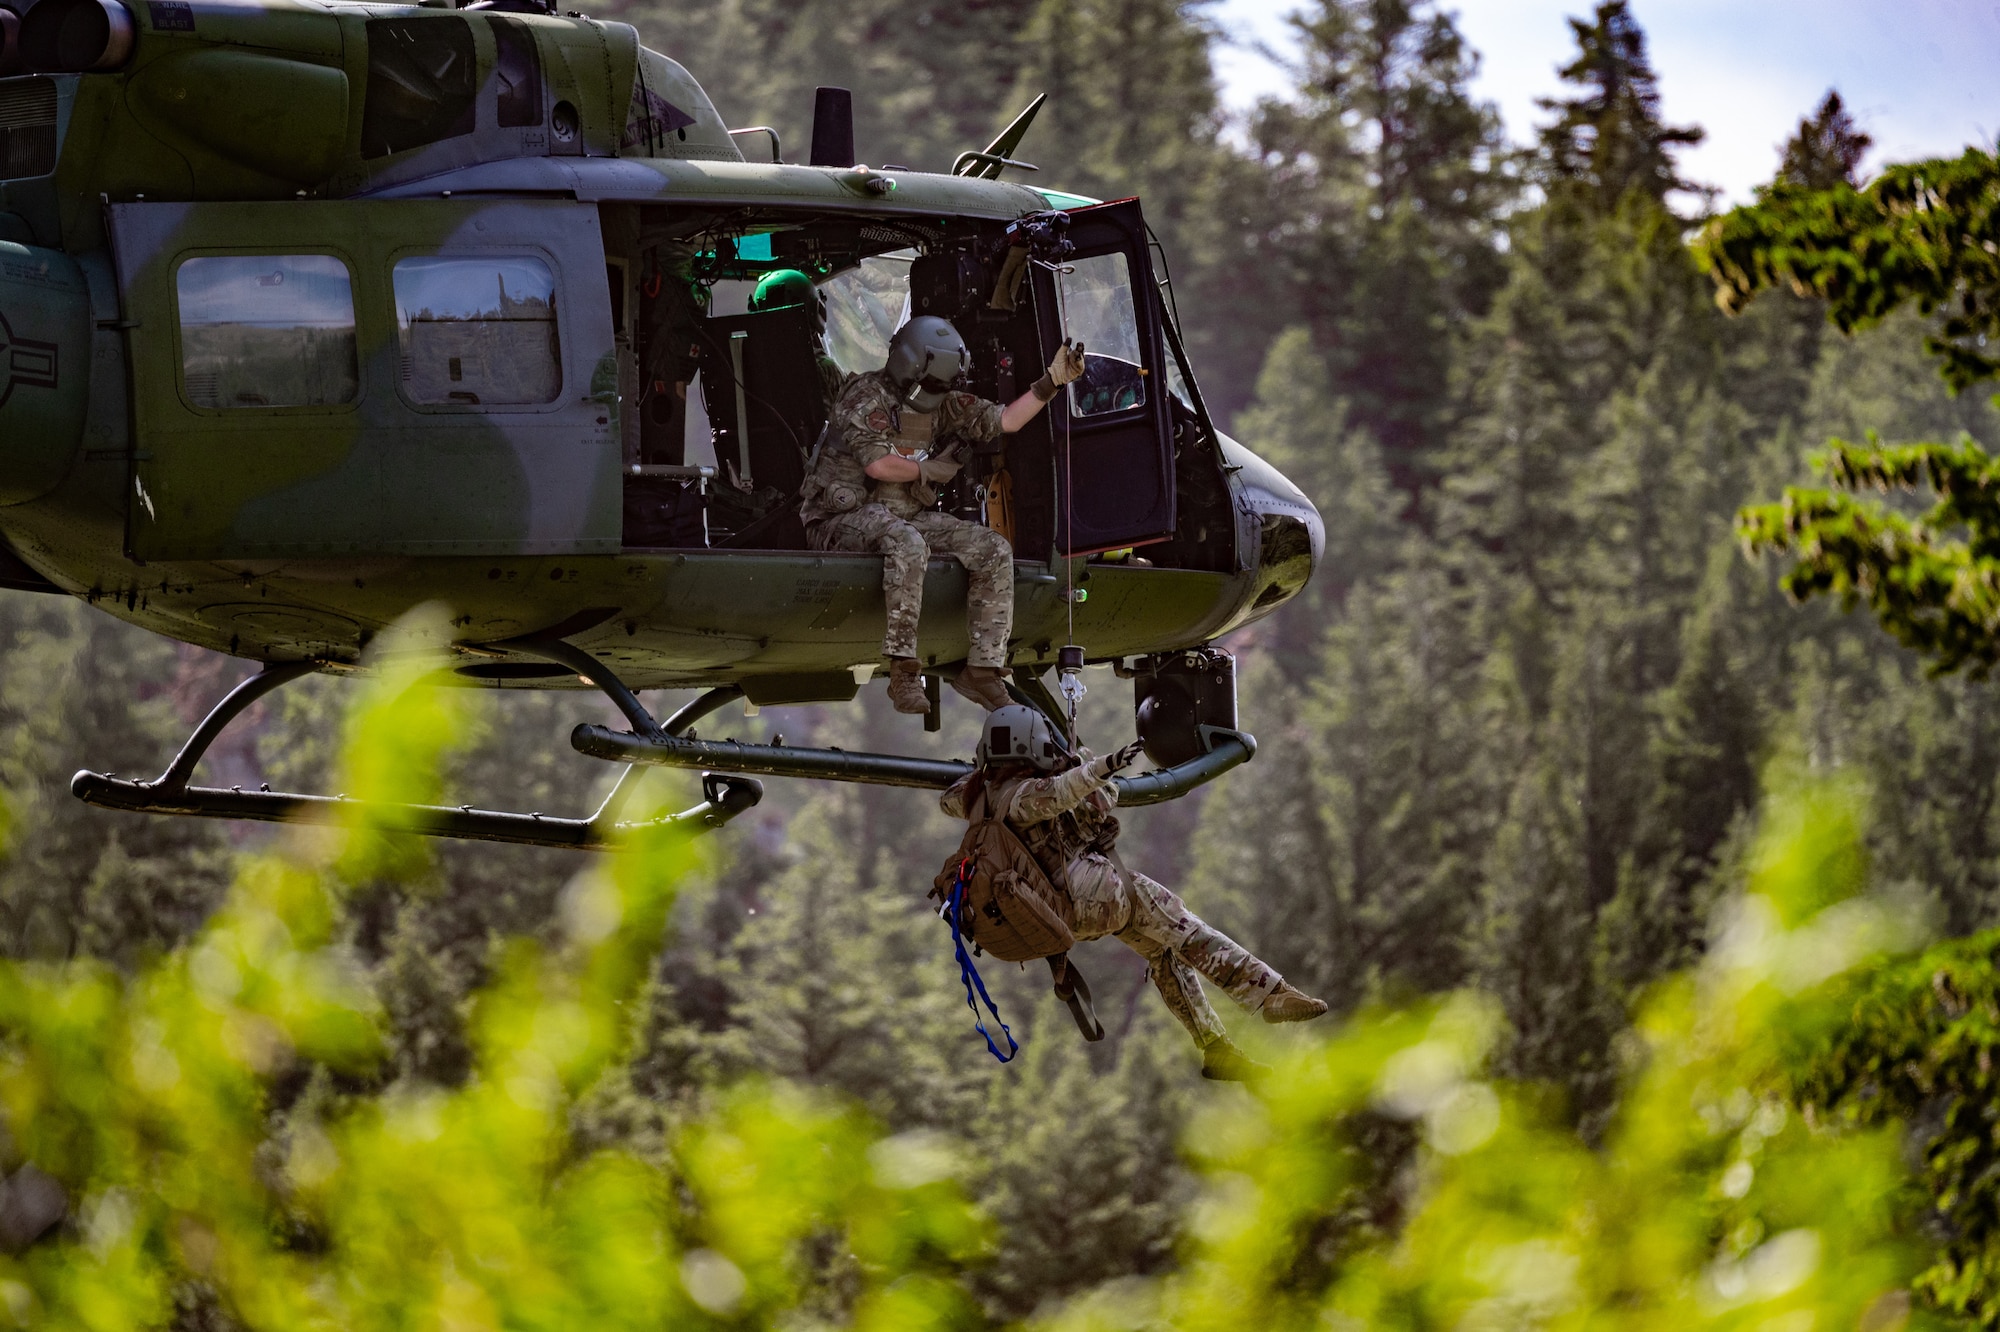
(998, 155)
(833, 128)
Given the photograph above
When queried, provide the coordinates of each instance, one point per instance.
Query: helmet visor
(940, 375)
(927, 394)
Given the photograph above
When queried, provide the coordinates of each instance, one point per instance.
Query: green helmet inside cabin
(786, 287)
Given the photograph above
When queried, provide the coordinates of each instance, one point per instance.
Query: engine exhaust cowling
(10, 43)
(77, 36)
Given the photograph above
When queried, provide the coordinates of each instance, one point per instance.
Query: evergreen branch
(1936, 594)
(1926, 233)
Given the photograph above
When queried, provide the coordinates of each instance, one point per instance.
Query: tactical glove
(937, 471)
(1067, 365)
(1125, 757)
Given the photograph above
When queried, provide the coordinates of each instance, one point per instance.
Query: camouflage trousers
(906, 545)
(1180, 947)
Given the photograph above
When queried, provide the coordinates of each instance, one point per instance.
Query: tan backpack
(1006, 904)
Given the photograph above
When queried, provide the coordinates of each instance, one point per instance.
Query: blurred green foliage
(149, 1097)
(154, 1098)
(1917, 1043)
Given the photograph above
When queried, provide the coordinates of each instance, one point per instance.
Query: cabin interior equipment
(1116, 462)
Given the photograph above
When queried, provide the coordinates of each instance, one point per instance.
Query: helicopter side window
(267, 331)
(864, 307)
(1097, 310)
(478, 331)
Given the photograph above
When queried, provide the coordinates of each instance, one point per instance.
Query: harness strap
(818, 446)
(968, 974)
(1074, 991)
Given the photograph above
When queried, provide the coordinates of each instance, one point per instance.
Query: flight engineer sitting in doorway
(893, 439)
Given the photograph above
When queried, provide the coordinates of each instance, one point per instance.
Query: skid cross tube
(724, 796)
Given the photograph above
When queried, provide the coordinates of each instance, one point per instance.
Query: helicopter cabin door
(429, 377)
(1114, 452)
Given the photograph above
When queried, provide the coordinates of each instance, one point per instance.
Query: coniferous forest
(1523, 740)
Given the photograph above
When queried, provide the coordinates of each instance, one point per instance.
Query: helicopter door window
(478, 332)
(1177, 383)
(1097, 310)
(267, 331)
(864, 307)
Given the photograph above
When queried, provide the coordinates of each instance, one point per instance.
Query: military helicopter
(314, 311)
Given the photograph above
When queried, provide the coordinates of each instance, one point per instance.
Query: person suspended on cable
(894, 436)
(1060, 806)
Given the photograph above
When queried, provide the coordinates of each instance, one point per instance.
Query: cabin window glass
(864, 307)
(1098, 311)
(478, 332)
(1177, 383)
(423, 83)
(267, 331)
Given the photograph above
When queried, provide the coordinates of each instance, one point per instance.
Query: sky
(1921, 76)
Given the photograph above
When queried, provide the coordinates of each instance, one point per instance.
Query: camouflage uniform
(831, 378)
(846, 509)
(1066, 821)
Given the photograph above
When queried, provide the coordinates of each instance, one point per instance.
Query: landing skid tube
(649, 742)
(724, 796)
(668, 747)
(727, 788)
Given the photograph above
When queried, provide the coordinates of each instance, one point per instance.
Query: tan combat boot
(1290, 1004)
(1221, 1061)
(906, 686)
(984, 685)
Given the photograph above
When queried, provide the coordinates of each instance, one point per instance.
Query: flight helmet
(1017, 732)
(927, 358)
(786, 287)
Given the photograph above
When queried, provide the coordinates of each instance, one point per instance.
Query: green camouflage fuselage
(282, 532)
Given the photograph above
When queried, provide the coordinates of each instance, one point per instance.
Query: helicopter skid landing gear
(728, 788)
(724, 796)
(666, 746)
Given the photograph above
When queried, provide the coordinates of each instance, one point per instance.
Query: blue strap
(969, 974)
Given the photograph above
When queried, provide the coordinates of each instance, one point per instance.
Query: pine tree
(79, 689)
(1535, 945)
(1608, 140)
(1299, 424)
(1081, 1171)
(1826, 149)
(1391, 179)
(932, 78)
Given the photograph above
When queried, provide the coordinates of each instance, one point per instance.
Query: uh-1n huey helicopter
(314, 311)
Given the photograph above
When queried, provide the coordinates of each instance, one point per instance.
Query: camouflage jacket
(866, 424)
(1061, 818)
